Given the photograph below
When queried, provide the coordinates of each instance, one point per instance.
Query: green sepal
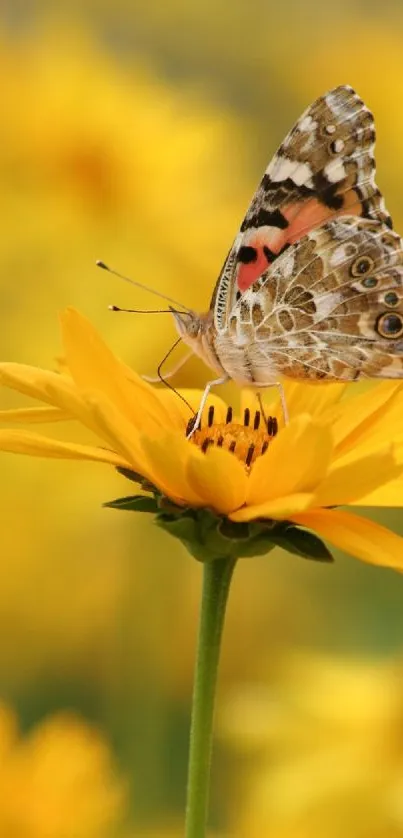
(200, 532)
(129, 474)
(209, 536)
(186, 529)
(134, 503)
(302, 543)
(136, 478)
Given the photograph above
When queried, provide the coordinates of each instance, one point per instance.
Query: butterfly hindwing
(324, 168)
(331, 307)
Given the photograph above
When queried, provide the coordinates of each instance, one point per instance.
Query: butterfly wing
(324, 167)
(331, 307)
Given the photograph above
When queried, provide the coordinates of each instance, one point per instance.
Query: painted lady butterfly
(312, 287)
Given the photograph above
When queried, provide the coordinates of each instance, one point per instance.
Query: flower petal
(388, 494)
(35, 414)
(117, 430)
(49, 387)
(35, 382)
(353, 477)
(359, 414)
(94, 367)
(356, 536)
(280, 509)
(296, 461)
(167, 460)
(300, 398)
(373, 433)
(219, 478)
(26, 442)
(175, 413)
(311, 398)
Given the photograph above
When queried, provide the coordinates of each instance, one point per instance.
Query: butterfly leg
(262, 408)
(283, 402)
(284, 407)
(209, 385)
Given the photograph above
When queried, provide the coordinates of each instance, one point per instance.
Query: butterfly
(312, 287)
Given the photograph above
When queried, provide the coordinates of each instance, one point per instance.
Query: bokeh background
(136, 132)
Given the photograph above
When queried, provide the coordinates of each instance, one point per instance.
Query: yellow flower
(333, 452)
(58, 781)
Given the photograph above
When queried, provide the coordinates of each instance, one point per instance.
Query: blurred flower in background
(57, 781)
(318, 750)
(137, 133)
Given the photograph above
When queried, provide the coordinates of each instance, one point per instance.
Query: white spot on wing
(249, 297)
(338, 146)
(335, 171)
(307, 123)
(281, 168)
(309, 143)
(287, 265)
(300, 173)
(338, 256)
(325, 305)
(341, 230)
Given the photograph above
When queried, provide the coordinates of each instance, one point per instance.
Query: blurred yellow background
(136, 132)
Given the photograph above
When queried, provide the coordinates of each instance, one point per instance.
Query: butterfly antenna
(164, 380)
(140, 285)
(148, 310)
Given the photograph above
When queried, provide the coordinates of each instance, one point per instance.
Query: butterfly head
(188, 324)
(197, 331)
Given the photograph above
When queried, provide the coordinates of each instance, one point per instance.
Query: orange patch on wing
(312, 213)
(302, 217)
(248, 274)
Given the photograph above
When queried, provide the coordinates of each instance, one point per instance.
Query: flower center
(247, 441)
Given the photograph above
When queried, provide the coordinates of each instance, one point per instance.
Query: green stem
(217, 576)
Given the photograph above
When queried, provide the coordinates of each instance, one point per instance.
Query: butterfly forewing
(324, 168)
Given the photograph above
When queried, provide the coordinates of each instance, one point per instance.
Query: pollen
(247, 441)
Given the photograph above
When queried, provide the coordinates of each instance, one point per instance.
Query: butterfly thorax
(232, 352)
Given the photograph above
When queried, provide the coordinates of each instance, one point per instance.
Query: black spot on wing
(327, 191)
(285, 187)
(270, 256)
(280, 193)
(265, 218)
(247, 254)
